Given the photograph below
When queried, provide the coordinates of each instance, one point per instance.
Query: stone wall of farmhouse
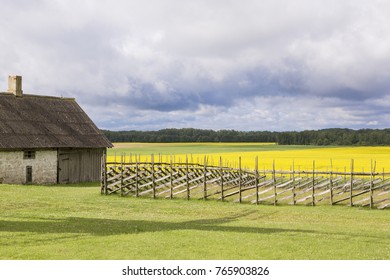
(13, 167)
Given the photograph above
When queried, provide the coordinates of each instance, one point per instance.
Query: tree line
(332, 136)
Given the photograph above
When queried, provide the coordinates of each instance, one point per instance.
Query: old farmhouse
(47, 140)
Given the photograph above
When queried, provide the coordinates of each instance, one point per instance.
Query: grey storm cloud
(228, 64)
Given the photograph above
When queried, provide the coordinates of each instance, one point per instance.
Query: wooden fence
(277, 187)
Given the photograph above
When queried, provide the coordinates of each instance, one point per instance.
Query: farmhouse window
(29, 154)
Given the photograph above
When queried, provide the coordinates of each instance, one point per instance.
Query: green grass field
(198, 148)
(76, 222)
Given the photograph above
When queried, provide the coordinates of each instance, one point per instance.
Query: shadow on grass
(105, 227)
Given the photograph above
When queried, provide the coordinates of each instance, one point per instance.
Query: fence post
(221, 170)
(204, 178)
(122, 188)
(350, 191)
(293, 182)
(104, 174)
(171, 178)
(274, 182)
(313, 203)
(136, 176)
(371, 186)
(153, 179)
(292, 177)
(257, 178)
(331, 182)
(187, 179)
(239, 180)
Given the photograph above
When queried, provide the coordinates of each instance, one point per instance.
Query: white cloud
(216, 64)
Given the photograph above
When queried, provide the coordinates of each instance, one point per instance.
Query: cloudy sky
(213, 64)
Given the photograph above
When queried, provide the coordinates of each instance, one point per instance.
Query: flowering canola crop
(269, 155)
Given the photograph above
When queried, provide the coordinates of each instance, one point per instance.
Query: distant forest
(332, 136)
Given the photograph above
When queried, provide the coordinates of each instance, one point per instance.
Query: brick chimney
(15, 85)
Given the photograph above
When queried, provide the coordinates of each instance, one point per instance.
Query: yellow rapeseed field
(322, 159)
(283, 157)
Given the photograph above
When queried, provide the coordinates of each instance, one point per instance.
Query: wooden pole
(153, 179)
(136, 176)
(104, 172)
(239, 180)
(221, 170)
(274, 182)
(122, 188)
(331, 182)
(293, 182)
(257, 178)
(351, 183)
(204, 178)
(313, 203)
(187, 179)
(171, 178)
(371, 186)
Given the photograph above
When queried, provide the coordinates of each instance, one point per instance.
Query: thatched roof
(33, 121)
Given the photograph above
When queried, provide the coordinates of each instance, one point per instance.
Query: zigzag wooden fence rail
(201, 181)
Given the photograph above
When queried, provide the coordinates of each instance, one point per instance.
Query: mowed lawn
(77, 222)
